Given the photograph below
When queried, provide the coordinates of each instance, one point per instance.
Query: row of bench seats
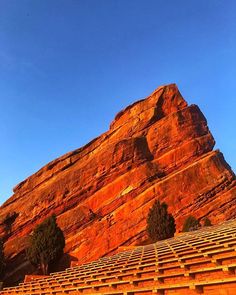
(203, 261)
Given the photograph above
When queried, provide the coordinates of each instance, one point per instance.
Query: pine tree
(46, 244)
(160, 223)
(190, 224)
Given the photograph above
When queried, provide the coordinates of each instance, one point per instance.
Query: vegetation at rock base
(190, 224)
(207, 222)
(160, 223)
(46, 244)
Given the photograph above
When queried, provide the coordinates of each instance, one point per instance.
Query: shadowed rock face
(157, 148)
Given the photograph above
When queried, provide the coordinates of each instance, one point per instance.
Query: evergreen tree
(190, 224)
(46, 244)
(160, 223)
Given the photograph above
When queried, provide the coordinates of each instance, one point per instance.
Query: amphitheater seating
(202, 261)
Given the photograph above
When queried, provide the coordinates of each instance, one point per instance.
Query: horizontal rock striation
(156, 148)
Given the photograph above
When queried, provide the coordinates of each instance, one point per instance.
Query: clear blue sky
(68, 66)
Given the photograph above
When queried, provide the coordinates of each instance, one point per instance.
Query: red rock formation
(158, 147)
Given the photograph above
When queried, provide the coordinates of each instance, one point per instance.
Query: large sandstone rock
(157, 148)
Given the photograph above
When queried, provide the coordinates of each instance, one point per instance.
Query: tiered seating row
(189, 263)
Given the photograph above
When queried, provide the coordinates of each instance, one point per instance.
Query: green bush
(160, 223)
(46, 244)
(190, 224)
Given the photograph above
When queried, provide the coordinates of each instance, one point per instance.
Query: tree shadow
(64, 262)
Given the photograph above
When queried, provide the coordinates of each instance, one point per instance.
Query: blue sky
(68, 66)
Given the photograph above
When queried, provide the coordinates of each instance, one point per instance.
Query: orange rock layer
(156, 148)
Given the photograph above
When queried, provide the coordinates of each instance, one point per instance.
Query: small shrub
(190, 224)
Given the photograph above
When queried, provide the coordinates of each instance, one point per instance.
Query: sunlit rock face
(156, 148)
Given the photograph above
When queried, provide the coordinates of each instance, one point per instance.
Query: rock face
(156, 148)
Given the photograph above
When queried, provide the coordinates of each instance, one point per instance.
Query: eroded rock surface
(158, 147)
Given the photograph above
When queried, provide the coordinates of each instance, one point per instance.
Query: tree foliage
(190, 224)
(160, 223)
(46, 244)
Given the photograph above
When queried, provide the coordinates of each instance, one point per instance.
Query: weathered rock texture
(158, 147)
